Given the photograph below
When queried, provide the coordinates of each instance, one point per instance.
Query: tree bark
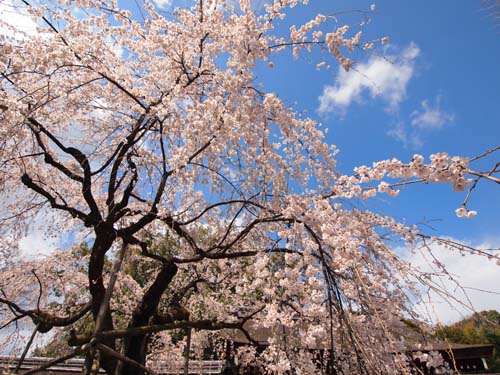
(135, 347)
(105, 236)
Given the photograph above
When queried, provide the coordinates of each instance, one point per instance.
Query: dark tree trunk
(105, 236)
(135, 347)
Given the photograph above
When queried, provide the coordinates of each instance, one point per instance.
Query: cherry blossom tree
(206, 202)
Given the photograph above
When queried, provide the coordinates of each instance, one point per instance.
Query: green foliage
(136, 266)
(480, 328)
(58, 345)
(53, 349)
(140, 269)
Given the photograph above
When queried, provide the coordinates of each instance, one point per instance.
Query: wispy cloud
(408, 137)
(431, 117)
(427, 118)
(386, 77)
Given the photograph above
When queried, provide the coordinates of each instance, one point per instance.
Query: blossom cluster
(157, 135)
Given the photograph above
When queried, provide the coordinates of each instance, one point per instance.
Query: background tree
(481, 328)
(123, 131)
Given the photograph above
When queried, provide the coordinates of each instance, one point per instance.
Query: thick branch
(45, 320)
(208, 325)
(179, 295)
(28, 182)
(84, 163)
(135, 347)
(151, 298)
(119, 357)
(218, 204)
(120, 154)
(130, 187)
(50, 160)
(103, 314)
(56, 361)
(234, 255)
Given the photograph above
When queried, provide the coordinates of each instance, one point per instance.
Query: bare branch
(484, 175)
(28, 182)
(208, 325)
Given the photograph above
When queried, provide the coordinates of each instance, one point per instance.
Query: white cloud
(399, 133)
(36, 245)
(472, 283)
(117, 49)
(163, 4)
(410, 138)
(15, 19)
(429, 117)
(386, 77)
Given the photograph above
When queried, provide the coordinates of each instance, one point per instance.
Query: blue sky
(439, 94)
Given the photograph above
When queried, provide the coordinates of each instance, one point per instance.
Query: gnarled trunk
(105, 236)
(135, 347)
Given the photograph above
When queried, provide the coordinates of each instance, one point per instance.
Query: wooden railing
(75, 365)
(195, 368)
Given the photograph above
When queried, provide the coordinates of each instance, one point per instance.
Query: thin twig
(484, 175)
(486, 153)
